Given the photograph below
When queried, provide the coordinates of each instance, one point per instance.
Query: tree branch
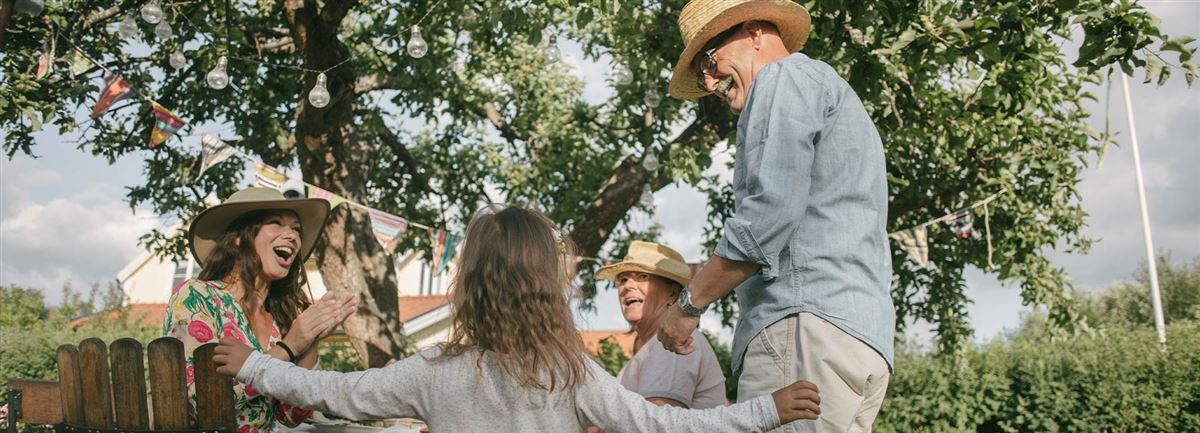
(335, 10)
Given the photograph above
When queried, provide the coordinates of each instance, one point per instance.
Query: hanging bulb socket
(128, 27)
(152, 13)
(417, 48)
(652, 98)
(217, 78)
(319, 95)
(163, 30)
(177, 60)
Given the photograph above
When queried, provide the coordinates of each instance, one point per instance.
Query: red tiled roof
(623, 338)
(412, 307)
(148, 315)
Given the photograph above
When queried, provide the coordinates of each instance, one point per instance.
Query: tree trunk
(335, 157)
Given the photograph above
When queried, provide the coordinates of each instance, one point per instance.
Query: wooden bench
(102, 389)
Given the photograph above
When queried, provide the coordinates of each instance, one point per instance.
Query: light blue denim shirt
(811, 207)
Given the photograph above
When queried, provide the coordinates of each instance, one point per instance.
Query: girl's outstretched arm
(395, 391)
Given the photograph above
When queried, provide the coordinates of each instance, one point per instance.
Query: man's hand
(675, 330)
(230, 355)
(318, 321)
(800, 400)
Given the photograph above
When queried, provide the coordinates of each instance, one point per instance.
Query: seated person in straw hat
(251, 290)
(648, 281)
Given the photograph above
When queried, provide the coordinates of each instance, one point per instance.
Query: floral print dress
(202, 312)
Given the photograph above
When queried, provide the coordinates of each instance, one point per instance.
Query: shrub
(1114, 381)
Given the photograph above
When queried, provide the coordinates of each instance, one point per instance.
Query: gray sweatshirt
(459, 395)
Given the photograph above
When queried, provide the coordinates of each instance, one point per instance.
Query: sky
(63, 218)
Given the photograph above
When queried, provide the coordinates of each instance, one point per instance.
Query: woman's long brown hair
(510, 298)
(285, 297)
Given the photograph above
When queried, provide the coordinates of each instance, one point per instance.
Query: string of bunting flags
(915, 240)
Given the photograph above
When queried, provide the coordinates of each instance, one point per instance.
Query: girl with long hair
(251, 293)
(514, 360)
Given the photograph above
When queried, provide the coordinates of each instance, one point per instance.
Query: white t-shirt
(694, 379)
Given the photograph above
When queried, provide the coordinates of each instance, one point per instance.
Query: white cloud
(83, 238)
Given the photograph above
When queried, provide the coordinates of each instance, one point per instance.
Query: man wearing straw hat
(806, 248)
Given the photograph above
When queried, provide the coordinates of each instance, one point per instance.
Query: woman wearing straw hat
(252, 249)
(806, 248)
(648, 281)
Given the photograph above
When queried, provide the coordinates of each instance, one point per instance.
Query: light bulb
(650, 162)
(652, 98)
(217, 78)
(152, 12)
(177, 60)
(318, 96)
(128, 27)
(622, 74)
(647, 196)
(552, 53)
(417, 46)
(163, 30)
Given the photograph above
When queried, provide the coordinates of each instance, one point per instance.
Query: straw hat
(702, 20)
(210, 225)
(650, 258)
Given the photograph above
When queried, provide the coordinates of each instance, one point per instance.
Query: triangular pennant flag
(45, 63)
(79, 63)
(165, 124)
(961, 223)
(115, 89)
(268, 177)
(443, 249)
(387, 228)
(212, 152)
(333, 199)
(914, 241)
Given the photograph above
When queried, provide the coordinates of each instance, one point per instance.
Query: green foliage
(1128, 304)
(27, 348)
(338, 356)
(610, 356)
(1115, 382)
(970, 98)
(725, 358)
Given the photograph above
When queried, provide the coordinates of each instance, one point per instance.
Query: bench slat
(214, 391)
(129, 385)
(70, 386)
(168, 383)
(93, 372)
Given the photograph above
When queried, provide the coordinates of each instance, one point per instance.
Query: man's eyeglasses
(706, 62)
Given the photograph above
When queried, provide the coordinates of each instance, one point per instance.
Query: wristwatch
(685, 304)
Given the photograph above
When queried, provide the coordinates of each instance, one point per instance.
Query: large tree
(970, 98)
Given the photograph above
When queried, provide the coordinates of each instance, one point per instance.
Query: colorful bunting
(333, 199)
(961, 223)
(165, 124)
(387, 228)
(443, 248)
(268, 177)
(79, 63)
(115, 89)
(914, 241)
(212, 152)
(45, 63)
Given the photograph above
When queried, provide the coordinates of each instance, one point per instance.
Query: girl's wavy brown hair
(236, 260)
(510, 298)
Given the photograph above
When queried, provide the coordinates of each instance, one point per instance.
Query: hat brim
(208, 227)
(610, 272)
(791, 19)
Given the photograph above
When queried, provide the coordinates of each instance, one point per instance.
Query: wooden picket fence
(102, 389)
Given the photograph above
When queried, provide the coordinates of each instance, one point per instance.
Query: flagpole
(1156, 296)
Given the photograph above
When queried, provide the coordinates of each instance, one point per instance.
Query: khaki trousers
(852, 377)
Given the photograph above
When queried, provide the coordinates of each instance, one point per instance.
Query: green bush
(1114, 381)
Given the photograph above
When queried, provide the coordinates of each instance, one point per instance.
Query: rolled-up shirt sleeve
(784, 115)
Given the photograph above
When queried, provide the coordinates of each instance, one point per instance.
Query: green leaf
(992, 52)
(903, 40)
(1154, 68)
